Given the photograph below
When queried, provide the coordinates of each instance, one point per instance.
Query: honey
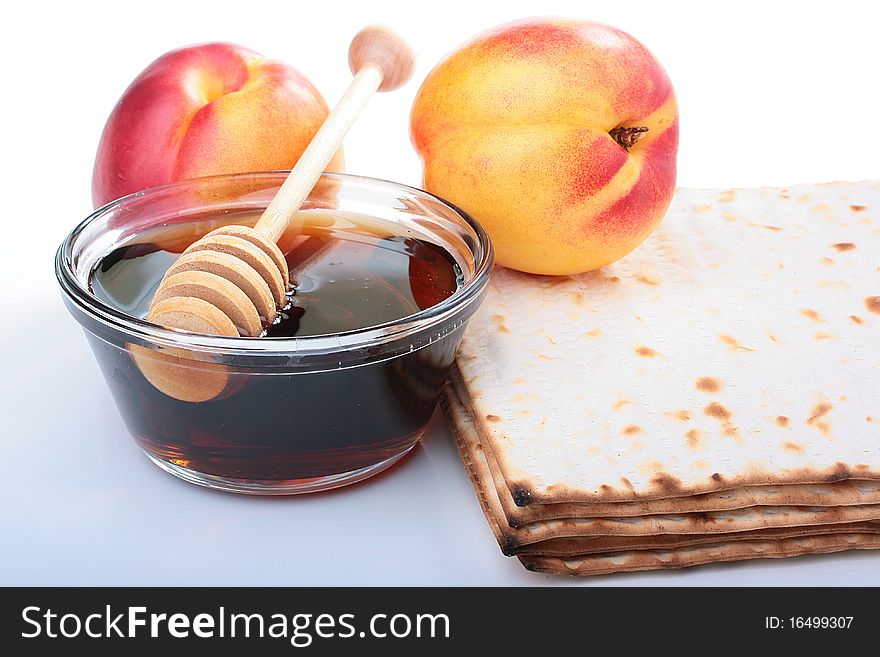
(351, 273)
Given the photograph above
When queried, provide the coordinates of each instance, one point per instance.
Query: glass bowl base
(276, 486)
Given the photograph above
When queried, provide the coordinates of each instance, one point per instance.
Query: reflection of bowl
(297, 414)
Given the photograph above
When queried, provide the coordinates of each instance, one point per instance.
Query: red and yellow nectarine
(204, 110)
(559, 136)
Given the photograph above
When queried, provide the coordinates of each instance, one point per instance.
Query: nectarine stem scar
(627, 137)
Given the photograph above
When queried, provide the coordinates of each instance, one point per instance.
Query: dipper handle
(381, 61)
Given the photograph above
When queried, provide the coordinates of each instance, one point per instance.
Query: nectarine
(559, 136)
(203, 110)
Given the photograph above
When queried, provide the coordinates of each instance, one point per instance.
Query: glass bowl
(297, 414)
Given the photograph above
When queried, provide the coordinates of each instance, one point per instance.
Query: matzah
(561, 538)
(619, 562)
(738, 346)
(711, 397)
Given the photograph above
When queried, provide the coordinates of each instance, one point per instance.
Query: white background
(771, 93)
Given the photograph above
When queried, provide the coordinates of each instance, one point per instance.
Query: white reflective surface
(82, 505)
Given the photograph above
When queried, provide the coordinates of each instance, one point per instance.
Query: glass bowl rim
(149, 333)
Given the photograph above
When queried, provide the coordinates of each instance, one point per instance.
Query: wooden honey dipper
(232, 281)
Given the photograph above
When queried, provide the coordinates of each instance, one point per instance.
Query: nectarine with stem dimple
(559, 136)
(204, 110)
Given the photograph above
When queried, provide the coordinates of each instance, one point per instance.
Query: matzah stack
(713, 396)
